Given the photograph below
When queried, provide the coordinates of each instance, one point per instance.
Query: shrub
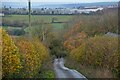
(33, 54)
(99, 51)
(57, 49)
(15, 23)
(10, 56)
(16, 32)
(23, 61)
(75, 41)
(94, 24)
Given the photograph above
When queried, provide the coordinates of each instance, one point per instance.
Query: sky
(73, 1)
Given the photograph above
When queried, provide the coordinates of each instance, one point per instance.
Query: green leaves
(57, 48)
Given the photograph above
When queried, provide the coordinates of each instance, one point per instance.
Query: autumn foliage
(22, 58)
(33, 53)
(72, 31)
(10, 55)
(99, 51)
(74, 37)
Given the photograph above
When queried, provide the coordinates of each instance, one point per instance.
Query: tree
(98, 52)
(57, 49)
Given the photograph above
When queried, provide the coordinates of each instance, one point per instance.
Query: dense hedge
(22, 59)
(16, 32)
(99, 51)
(15, 23)
(10, 55)
(33, 53)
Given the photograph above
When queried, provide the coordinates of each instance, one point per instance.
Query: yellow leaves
(78, 52)
(97, 51)
(10, 55)
(33, 53)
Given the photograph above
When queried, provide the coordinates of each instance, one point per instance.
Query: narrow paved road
(63, 72)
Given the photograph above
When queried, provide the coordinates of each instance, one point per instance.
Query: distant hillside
(91, 4)
(55, 5)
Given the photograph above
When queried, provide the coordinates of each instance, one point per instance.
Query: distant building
(112, 6)
(2, 14)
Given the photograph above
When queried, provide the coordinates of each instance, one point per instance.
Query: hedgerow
(10, 55)
(21, 58)
(99, 51)
(33, 54)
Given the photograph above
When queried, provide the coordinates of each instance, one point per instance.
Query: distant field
(10, 27)
(45, 18)
(39, 18)
(48, 19)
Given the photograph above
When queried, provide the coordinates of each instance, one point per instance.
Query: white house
(2, 14)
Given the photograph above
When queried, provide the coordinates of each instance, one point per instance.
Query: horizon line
(63, 2)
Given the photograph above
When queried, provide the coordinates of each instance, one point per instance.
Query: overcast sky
(74, 1)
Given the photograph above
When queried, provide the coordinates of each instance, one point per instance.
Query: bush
(10, 56)
(73, 42)
(33, 54)
(57, 49)
(16, 32)
(99, 51)
(95, 24)
(14, 23)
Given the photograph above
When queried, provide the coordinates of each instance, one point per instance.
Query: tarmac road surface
(65, 73)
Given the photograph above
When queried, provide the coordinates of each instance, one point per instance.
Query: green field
(10, 27)
(45, 18)
(39, 18)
